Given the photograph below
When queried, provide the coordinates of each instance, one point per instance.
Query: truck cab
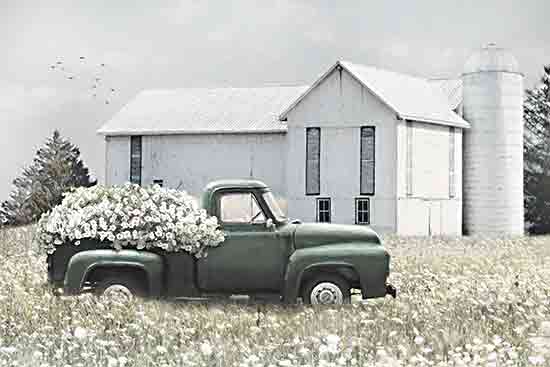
(264, 254)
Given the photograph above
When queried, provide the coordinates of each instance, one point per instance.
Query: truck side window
(240, 208)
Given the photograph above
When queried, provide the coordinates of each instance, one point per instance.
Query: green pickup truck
(264, 255)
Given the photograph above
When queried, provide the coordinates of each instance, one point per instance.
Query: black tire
(336, 280)
(131, 283)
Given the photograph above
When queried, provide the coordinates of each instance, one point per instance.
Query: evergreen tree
(537, 156)
(56, 169)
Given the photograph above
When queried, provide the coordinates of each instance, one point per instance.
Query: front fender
(369, 261)
(81, 264)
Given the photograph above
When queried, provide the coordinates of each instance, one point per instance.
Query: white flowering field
(461, 302)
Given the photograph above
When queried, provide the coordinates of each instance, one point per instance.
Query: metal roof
(491, 58)
(412, 98)
(203, 110)
(235, 183)
(258, 110)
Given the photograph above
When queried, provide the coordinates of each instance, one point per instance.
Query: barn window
(158, 182)
(362, 211)
(313, 161)
(135, 159)
(409, 158)
(367, 160)
(452, 186)
(323, 210)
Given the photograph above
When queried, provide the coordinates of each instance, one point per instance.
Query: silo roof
(491, 58)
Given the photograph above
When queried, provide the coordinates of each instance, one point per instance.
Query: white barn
(360, 145)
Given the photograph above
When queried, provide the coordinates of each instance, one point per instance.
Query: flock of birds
(96, 84)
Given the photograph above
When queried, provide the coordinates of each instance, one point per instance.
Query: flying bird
(59, 63)
(97, 79)
(94, 86)
(52, 67)
(112, 89)
(70, 77)
(102, 64)
(82, 57)
(106, 102)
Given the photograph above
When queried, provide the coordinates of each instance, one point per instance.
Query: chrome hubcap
(118, 292)
(326, 293)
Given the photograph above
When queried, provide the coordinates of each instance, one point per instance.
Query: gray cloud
(169, 43)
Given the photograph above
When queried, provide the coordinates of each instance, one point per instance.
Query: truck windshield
(274, 206)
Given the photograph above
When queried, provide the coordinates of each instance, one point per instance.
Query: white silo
(493, 146)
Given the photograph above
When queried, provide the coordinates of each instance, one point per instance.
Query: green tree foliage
(536, 153)
(56, 169)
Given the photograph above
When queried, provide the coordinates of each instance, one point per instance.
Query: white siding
(429, 210)
(493, 153)
(189, 162)
(340, 106)
(117, 160)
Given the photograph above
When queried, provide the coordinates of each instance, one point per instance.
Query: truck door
(252, 258)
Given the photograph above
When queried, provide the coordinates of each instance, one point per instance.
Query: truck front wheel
(326, 289)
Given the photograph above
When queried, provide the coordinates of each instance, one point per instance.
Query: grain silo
(493, 146)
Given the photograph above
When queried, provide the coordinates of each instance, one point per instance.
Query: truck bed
(179, 275)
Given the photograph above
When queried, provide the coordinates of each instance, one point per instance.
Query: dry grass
(462, 302)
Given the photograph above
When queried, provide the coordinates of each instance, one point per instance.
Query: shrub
(130, 216)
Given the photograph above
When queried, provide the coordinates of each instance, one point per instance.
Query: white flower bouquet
(130, 216)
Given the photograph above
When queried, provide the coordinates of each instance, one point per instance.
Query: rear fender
(83, 263)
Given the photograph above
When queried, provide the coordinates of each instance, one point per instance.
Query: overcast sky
(167, 44)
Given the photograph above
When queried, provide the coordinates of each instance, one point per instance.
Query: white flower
(161, 349)
(80, 333)
(8, 350)
(418, 340)
(536, 360)
(130, 216)
(206, 349)
(112, 362)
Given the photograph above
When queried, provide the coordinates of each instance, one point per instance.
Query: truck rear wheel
(326, 289)
(125, 288)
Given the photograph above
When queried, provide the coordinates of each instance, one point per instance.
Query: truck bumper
(391, 290)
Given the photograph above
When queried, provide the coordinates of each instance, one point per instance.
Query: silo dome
(491, 58)
(492, 97)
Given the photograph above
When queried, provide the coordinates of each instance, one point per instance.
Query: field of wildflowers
(461, 302)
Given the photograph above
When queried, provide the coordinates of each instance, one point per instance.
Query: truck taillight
(49, 261)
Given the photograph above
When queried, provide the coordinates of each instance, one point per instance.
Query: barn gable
(409, 97)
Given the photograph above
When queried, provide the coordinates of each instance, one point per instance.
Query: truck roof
(229, 183)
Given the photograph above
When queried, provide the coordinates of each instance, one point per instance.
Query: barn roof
(204, 110)
(410, 97)
(258, 110)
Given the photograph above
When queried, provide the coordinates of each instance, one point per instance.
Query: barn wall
(117, 160)
(340, 106)
(189, 162)
(429, 209)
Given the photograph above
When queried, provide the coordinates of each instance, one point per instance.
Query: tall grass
(461, 302)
